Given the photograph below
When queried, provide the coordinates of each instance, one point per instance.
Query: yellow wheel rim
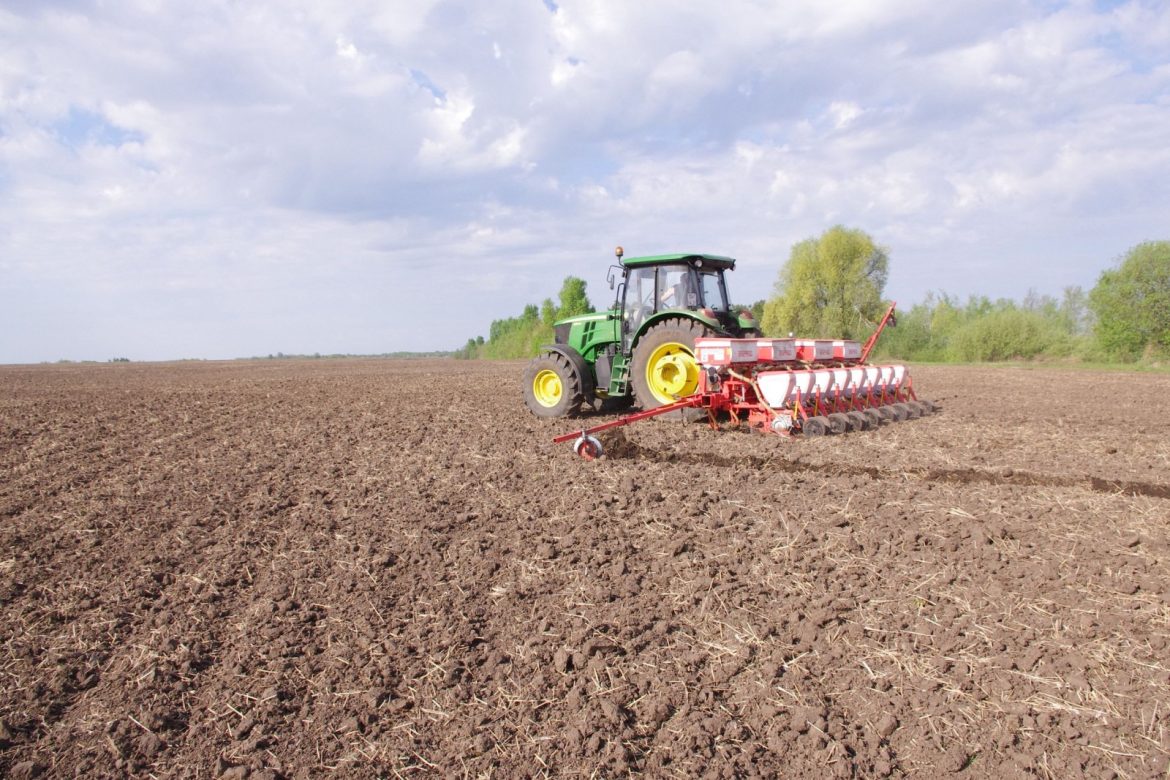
(671, 372)
(547, 388)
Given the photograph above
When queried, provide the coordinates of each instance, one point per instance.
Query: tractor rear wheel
(664, 369)
(552, 387)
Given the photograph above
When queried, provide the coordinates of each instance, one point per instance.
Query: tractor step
(619, 380)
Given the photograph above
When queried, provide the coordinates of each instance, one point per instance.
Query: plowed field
(384, 568)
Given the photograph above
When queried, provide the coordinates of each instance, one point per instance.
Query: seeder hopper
(783, 386)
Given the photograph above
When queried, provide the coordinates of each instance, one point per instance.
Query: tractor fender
(652, 322)
(588, 381)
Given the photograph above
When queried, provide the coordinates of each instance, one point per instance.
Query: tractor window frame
(720, 288)
(641, 290)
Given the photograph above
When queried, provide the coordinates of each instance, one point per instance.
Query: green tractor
(642, 350)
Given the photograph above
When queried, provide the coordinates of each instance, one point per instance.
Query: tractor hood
(596, 316)
(564, 327)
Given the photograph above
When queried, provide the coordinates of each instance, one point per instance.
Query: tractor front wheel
(552, 387)
(664, 368)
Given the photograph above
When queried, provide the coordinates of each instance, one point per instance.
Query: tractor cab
(687, 284)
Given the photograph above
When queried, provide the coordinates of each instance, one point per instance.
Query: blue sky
(224, 179)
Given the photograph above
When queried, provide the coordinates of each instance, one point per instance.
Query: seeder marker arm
(683, 403)
(872, 340)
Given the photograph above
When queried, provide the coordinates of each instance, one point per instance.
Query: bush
(1006, 334)
(939, 329)
(1132, 304)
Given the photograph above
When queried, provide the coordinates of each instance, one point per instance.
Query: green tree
(757, 309)
(1132, 302)
(467, 351)
(518, 337)
(573, 299)
(1074, 313)
(830, 286)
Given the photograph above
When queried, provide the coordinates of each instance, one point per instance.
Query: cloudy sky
(240, 177)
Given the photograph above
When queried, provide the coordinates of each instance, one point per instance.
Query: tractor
(642, 350)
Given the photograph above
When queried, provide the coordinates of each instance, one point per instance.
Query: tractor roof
(715, 261)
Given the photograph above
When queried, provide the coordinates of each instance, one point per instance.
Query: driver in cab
(678, 295)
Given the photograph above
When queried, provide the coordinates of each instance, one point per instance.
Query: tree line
(521, 337)
(833, 285)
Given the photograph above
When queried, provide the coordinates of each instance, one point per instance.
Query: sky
(232, 178)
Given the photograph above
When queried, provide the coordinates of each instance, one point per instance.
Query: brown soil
(385, 568)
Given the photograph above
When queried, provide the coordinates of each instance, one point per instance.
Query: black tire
(814, 426)
(874, 417)
(858, 421)
(838, 422)
(552, 387)
(678, 331)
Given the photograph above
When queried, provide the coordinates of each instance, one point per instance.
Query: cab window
(676, 288)
(639, 296)
(713, 291)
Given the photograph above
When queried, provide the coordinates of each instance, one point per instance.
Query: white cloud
(843, 112)
(231, 158)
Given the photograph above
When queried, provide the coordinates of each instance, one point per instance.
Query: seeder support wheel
(588, 447)
(858, 421)
(814, 426)
(838, 422)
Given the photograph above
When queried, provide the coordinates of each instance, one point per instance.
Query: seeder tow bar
(787, 387)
